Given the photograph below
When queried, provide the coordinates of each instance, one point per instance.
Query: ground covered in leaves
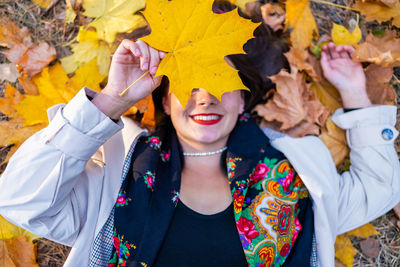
(47, 24)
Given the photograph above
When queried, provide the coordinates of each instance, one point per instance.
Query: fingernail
(145, 66)
(153, 70)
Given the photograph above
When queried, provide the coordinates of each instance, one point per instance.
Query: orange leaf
(18, 252)
(28, 84)
(11, 97)
(379, 89)
(302, 59)
(379, 11)
(327, 94)
(335, 139)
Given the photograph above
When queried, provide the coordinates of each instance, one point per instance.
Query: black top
(194, 239)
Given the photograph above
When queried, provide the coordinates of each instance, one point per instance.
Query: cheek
(233, 102)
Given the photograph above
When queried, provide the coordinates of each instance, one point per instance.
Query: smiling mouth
(206, 119)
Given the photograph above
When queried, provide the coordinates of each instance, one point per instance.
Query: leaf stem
(138, 79)
(333, 4)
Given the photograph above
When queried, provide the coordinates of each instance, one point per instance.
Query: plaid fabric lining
(314, 256)
(103, 244)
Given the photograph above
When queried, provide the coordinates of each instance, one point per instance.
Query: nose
(204, 98)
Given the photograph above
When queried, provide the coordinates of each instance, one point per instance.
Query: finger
(332, 50)
(325, 64)
(145, 55)
(349, 49)
(154, 60)
(341, 51)
(128, 47)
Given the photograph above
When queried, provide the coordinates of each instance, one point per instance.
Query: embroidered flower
(284, 215)
(165, 156)
(149, 179)
(154, 142)
(231, 166)
(244, 117)
(284, 250)
(246, 228)
(122, 200)
(287, 181)
(122, 252)
(259, 173)
(175, 197)
(298, 228)
(238, 203)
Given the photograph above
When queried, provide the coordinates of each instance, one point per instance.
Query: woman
(64, 183)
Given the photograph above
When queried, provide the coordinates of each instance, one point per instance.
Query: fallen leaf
(389, 3)
(379, 89)
(292, 103)
(114, 16)
(300, 19)
(342, 36)
(71, 7)
(11, 97)
(378, 11)
(344, 249)
(18, 252)
(192, 35)
(370, 247)
(9, 231)
(9, 72)
(44, 3)
(89, 46)
(327, 94)
(302, 60)
(273, 15)
(28, 85)
(335, 139)
(383, 51)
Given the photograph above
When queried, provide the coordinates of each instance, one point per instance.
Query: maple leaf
(344, 249)
(18, 252)
(43, 3)
(88, 48)
(31, 58)
(9, 72)
(114, 16)
(11, 97)
(54, 88)
(379, 11)
(10, 231)
(383, 51)
(379, 89)
(342, 36)
(293, 104)
(302, 60)
(327, 94)
(196, 41)
(300, 19)
(335, 139)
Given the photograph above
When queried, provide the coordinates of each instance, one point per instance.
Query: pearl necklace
(201, 154)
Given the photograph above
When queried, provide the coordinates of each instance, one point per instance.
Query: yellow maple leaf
(114, 16)
(335, 139)
(43, 3)
(300, 19)
(344, 249)
(55, 87)
(342, 36)
(196, 41)
(10, 231)
(89, 47)
(379, 11)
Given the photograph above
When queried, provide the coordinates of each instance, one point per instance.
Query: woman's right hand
(130, 61)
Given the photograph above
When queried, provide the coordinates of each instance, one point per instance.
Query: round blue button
(387, 134)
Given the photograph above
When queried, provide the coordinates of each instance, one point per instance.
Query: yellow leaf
(88, 48)
(114, 16)
(43, 3)
(379, 11)
(17, 252)
(54, 88)
(300, 19)
(10, 231)
(327, 95)
(344, 249)
(11, 97)
(341, 36)
(196, 41)
(335, 139)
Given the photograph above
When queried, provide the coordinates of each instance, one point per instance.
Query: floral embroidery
(149, 179)
(122, 251)
(175, 197)
(238, 203)
(165, 156)
(246, 230)
(259, 173)
(231, 166)
(244, 117)
(154, 142)
(122, 200)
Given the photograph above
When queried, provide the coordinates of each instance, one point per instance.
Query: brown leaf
(383, 51)
(293, 105)
(389, 3)
(11, 97)
(28, 84)
(273, 15)
(335, 139)
(9, 72)
(302, 59)
(327, 94)
(370, 247)
(18, 252)
(379, 89)
(379, 10)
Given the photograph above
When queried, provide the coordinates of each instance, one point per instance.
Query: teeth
(206, 118)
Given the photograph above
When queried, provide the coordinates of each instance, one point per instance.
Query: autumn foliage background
(49, 49)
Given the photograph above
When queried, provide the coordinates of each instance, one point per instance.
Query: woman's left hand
(346, 75)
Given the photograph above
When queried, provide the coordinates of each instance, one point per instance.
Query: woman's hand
(345, 74)
(130, 61)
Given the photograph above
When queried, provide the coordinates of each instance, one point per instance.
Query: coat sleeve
(37, 189)
(371, 186)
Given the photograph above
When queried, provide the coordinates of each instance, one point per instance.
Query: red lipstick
(206, 118)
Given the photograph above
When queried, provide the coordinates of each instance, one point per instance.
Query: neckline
(192, 212)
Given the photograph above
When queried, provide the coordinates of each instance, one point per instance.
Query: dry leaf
(192, 35)
(89, 47)
(383, 51)
(342, 36)
(327, 94)
(9, 231)
(370, 247)
(300, 19)
(335, 139)
(28, 85)
(44, 3)
(11, 97)
(389, 3)
(302, 60)
(18, 252)
(379, 11)
(9, 72)
(379, 89)
(273, 15)
(293, 104)
(344, 249)
(112, 17)
(71, 7)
